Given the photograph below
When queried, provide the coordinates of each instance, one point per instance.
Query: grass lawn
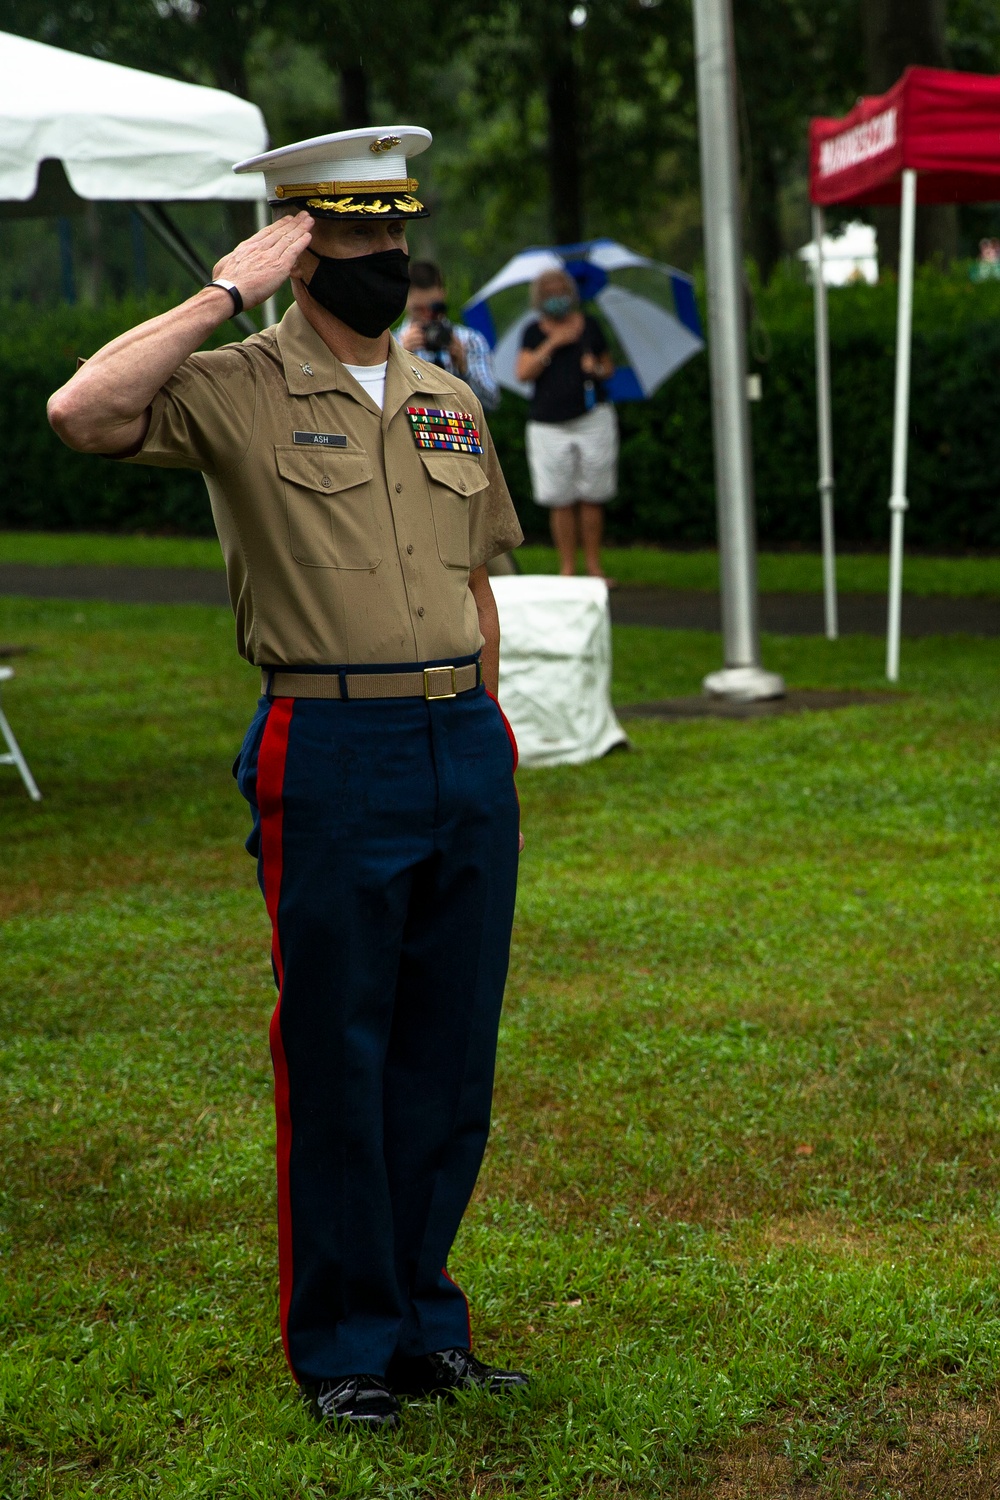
(643, 567)
(741, 1208)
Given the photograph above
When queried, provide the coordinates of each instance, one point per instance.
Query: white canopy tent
(121, 135)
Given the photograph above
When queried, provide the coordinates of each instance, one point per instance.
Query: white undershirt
(372, 379)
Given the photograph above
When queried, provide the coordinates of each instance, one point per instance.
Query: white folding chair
(14, 756)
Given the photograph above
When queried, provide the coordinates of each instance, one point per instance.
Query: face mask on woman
(557, 307)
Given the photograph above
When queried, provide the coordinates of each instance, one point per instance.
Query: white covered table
(555, 667)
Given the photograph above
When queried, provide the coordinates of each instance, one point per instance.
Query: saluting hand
(260, 265)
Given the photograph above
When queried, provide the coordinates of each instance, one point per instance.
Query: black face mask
(367, 292)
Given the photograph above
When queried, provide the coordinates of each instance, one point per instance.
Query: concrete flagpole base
(743, 684)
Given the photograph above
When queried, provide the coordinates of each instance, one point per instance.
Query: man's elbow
(66, 419)
(74, 425)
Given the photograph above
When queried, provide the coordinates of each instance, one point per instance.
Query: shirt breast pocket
(452, 479)
(330, 508)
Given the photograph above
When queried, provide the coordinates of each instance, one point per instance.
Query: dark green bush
(43, 485)
(666, 481)
(667, 491)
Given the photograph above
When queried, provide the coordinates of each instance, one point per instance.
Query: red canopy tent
(933, 138)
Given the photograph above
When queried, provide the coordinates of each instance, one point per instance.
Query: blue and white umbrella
(649, 308)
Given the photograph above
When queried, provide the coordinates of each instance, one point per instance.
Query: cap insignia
(383, 143)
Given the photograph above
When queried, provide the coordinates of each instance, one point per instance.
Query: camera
(439, 332)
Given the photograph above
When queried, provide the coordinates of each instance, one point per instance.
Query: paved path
(673, 609)
(796, 701)
(802, 614)
(115, 585)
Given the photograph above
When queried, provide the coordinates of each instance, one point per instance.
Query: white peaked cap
(349, 174)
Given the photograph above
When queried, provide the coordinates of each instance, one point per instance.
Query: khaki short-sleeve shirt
(344, 541)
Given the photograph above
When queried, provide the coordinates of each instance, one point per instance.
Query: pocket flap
(458, 471)
(324, 469)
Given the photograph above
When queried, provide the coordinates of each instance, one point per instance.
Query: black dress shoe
(447, 1371)
(361, 1400)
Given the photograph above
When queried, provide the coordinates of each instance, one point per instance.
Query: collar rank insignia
(450, 431)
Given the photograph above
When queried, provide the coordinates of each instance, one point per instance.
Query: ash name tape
(320, 439)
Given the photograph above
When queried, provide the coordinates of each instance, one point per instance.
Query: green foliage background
(667, 489)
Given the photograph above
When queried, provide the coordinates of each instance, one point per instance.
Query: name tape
(320, 439)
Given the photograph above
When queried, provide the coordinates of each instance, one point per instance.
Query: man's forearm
(102, 409)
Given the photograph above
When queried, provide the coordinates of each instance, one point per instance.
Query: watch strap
(232, 289)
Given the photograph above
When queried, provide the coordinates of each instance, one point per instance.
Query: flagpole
(824, 420)
(743, 677)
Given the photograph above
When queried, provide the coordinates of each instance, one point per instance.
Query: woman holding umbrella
(572, 432)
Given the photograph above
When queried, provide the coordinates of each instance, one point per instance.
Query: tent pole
(269, 307)
(898, 503)
(163, 228)
(139, 264)
(66, 277)
(825, 425)
(743, 677)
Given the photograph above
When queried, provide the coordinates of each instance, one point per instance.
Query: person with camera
(572, 433)
(429, 333)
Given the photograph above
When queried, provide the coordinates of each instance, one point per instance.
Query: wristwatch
(232, 289)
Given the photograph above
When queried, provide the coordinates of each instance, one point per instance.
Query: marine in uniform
(358, 500)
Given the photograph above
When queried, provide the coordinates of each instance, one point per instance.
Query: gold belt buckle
(432, 696)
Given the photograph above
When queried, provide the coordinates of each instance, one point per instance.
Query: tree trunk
(898, 34)
(355, 105)
(224, 44)
(563, 145)
(765, 223)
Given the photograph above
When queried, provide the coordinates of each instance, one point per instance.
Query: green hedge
(666, 492)
(43, 485)
(666, 482)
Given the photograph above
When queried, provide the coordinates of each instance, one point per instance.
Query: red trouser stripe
(468, 1315)
(270, 784)
(506, 725)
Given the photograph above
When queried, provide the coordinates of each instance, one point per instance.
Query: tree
(897, 35)
(585, 112)
(795, 60)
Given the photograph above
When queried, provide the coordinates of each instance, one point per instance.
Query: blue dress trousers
(386, 837)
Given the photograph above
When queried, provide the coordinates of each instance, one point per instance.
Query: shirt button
(409, 549)
(399, 487)
(420, 610)
(326, 481)
(462, 486)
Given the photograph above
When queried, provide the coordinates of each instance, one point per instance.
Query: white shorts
(574, 460)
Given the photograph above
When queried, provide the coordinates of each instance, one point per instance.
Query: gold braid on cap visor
(311, 189)
(405, 205)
